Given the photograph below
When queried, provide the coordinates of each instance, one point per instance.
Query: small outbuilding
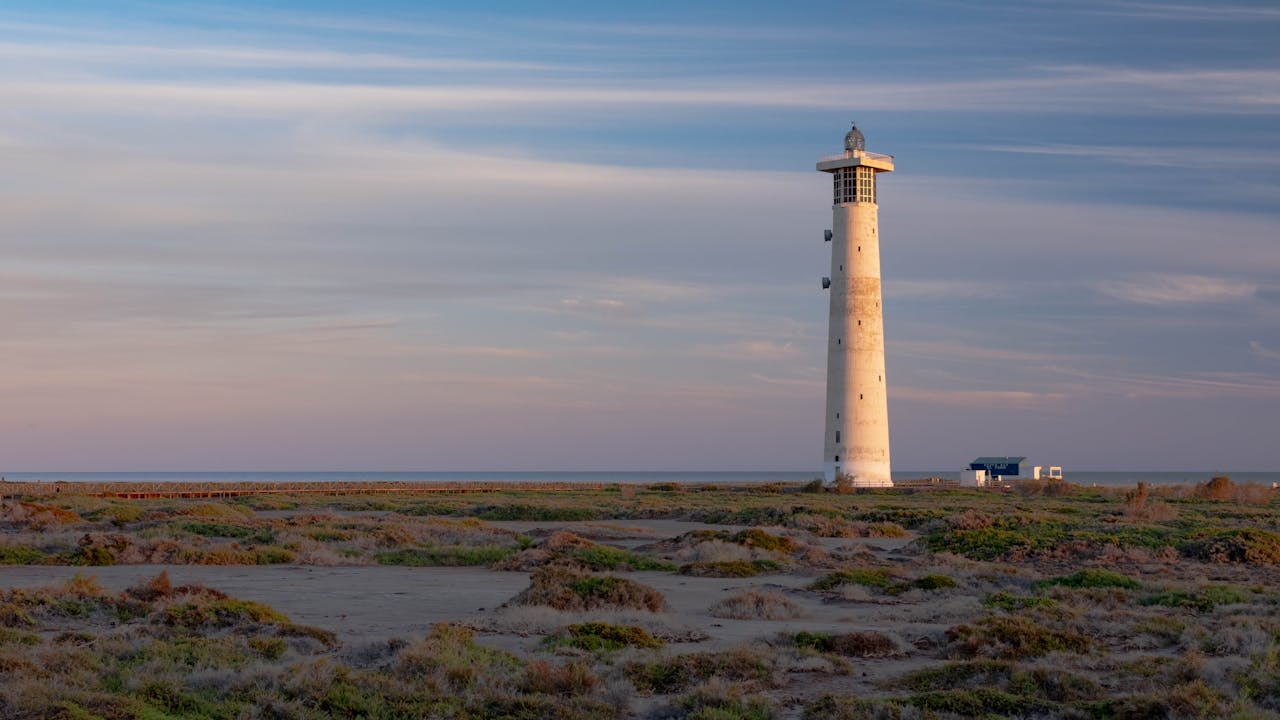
(998, 466)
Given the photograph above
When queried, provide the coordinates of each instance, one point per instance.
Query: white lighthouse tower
(857, 423)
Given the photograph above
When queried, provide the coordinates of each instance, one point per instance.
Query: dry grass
(857, 644)
(756, 605)
(526, 620)
(568, 589)
(160, 651)
(749, 667)
(1139, 506)
(1196, 635)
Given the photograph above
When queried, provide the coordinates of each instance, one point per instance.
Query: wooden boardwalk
(235, 489)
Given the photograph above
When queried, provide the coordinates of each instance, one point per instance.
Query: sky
(588, 236)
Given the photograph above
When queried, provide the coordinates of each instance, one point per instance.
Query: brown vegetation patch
(750, 667)
(1244, 545)
(860, 644)
(565, 588)
(36, 516)
(730, 568)
(1014, 638)
(1140, 506)
(756, 605)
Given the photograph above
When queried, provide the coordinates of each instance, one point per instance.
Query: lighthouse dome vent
(854, 140)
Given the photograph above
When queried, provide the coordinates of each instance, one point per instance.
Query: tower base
(831, 475)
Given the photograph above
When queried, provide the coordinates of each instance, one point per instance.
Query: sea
(696, 477)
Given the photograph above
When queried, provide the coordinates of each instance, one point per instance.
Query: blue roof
(999, 460)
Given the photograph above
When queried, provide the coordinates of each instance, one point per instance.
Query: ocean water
(1090, 477)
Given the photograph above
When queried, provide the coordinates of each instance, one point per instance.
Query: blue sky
(405, 235)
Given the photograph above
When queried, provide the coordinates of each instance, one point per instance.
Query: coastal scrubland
(1044, 601)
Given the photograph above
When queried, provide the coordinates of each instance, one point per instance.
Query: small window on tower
(837, 436)
(837, 458)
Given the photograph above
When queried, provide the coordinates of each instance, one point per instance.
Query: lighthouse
(857, 421)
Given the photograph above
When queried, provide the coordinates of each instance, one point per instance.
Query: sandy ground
(356, 602)
(373, 603)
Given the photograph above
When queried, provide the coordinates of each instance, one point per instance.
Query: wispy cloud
(1069, 89)
(810, 383)
(757, 350)
(976, 398)
(1200, 385)
(100, 55)
(1162, 156)
(900, 289)
(1261, 350)
(1170, 289)
(600, 307)
(953, 350)
(1194, 11)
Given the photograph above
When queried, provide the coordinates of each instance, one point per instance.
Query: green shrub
(1166, 628)
(980, 702)
(215, 510)
(13, 614)
(681, 672)
(996, 539)
(199, 650)
(428, 509)
(323, 534)
(717, 704)
(9, 636)
(979, 543)
(1055, 685)
(905, 516)
(1014, 638)
(974, 673)
(1090, 579)
(1204, 599)
(264, 535)
(851, 707)
(886, 530)
(19, 555)
(325, 637)
(122, 514)
(818, 641)
(1244, 545)
(600, 636)
(273, 556)
(573, 590)
(271, 648)
(220, 612)
(450, 556)
(1012, 603)
(537, 513)
(933, 582)
(880, 578)
(730, 568)
(93, 555)
(851, 644)
(762, 540)
(603, 557)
